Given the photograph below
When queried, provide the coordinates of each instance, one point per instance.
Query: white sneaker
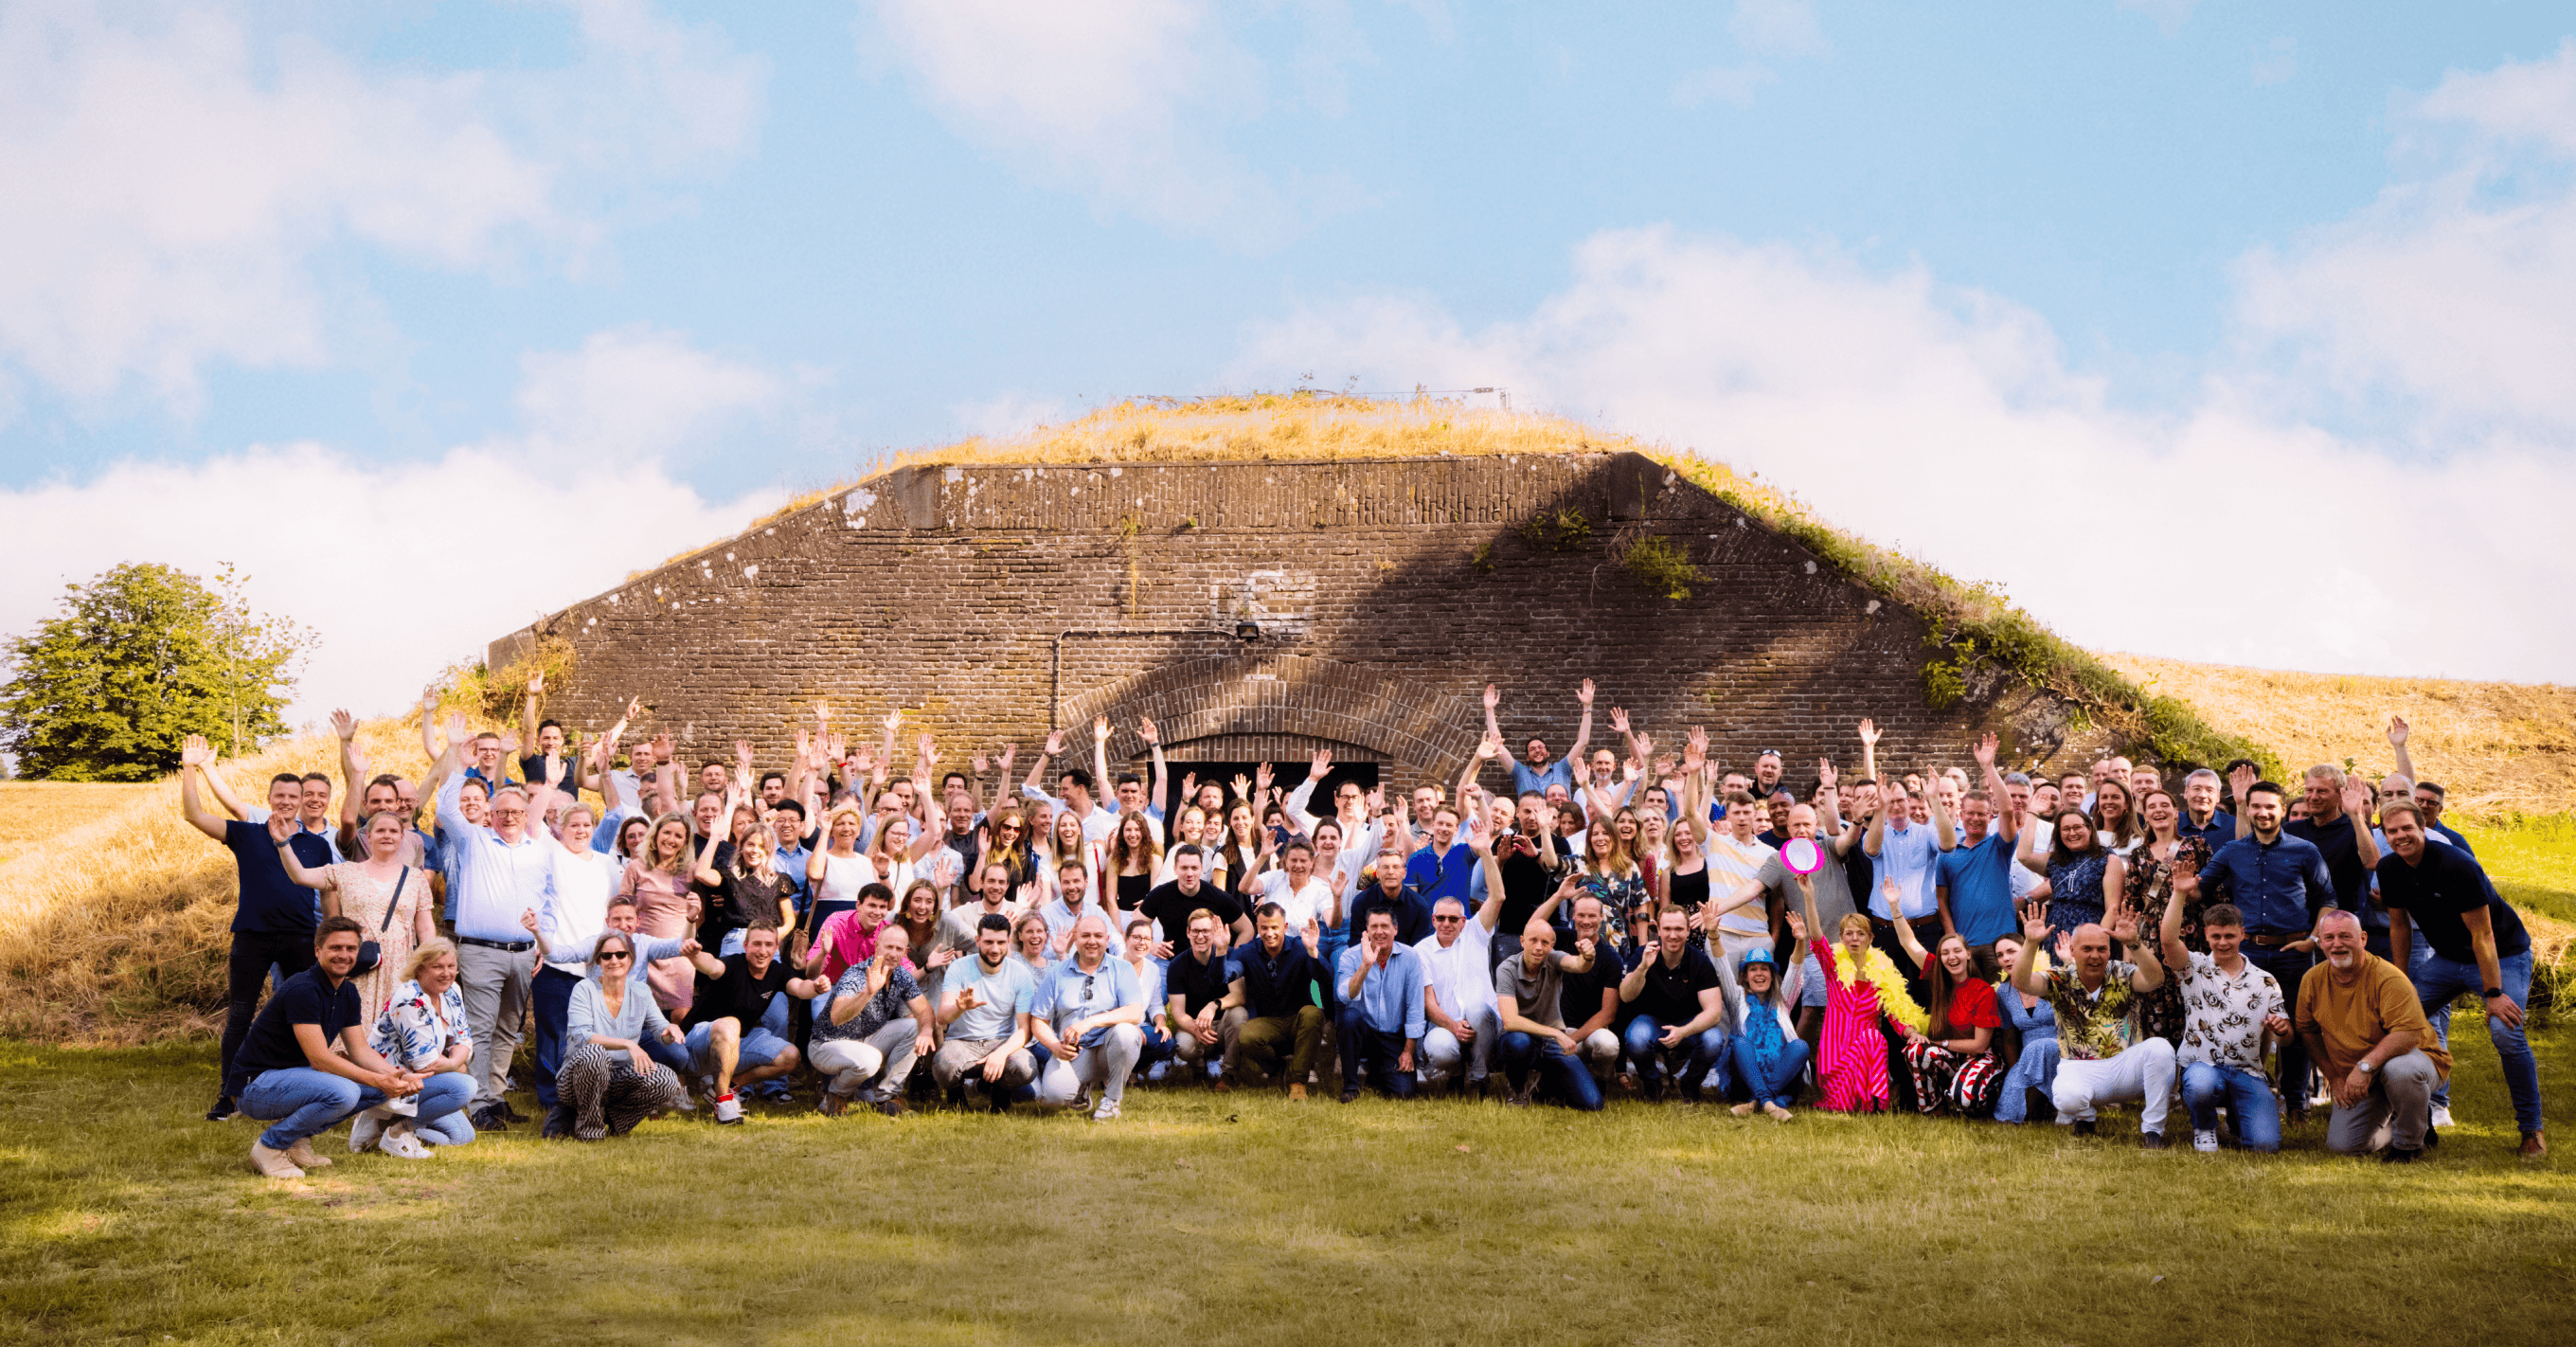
(274, 1164)
(406, 1107)
(400, 1143)
(366, 1129)
(2379, 1139)
(2441, 1115)
(2204, 1142)
(1108, 1109)
(728, 1109)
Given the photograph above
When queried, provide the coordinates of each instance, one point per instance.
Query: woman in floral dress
(388, 899)
(2152, 868)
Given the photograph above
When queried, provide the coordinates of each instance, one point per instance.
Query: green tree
(138, 659)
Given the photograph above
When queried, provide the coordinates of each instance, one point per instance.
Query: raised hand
(1488, 748)
(1868, 731)
(1010, 754)
(979, 764)
(1322, 763)
(456, 733)
(1985, 750)
(2124, 928)
(1313, 935)
(1480, 835)
(1583, 694)
(1242, 786)
(634, 708)
(1054, 742)
(804, 743)
(281, 825)
(2356, 796)
(1100, 729)
(1189, 787)
(509, 742)
(1145, 731)
(528, 920)
(1619, 719)
(1645, 745)
(1664, 766)
(1825, 774)
(536, 681)
(1261, 777)
(1493, 696)
(344, 725)
(2185, 882)
(2034, 924)
(662, 748)
(742, 754)
(1376, 800)
(194, 751)
(2239, 781)
(2397, 731)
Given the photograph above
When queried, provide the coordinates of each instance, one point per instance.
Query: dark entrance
(1286, 776)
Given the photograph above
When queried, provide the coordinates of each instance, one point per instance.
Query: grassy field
(30, 811)
(1207, 1220)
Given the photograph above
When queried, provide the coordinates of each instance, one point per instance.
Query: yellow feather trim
(1882, 974)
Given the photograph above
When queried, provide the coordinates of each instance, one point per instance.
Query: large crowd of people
(2223, 953)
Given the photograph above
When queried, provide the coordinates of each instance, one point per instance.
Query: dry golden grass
(2499, 749)
(112, 925)
(30, 811)
(1280, 426)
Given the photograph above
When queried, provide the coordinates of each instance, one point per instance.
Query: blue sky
(1959, 275)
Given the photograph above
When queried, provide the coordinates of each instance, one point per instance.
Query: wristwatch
(2364, 1067)
(2492, 993)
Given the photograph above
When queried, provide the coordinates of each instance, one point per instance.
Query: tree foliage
(138, 659)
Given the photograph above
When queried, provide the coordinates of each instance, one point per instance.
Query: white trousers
(2144, 1073)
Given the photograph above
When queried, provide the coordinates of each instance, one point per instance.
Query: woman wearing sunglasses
(608, 1078)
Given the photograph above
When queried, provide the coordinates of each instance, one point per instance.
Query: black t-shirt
(1527, 882)
(270, 901)
(1132, 890)
(712, 923)
(1581, 999)
(1412, 914)
(736, 901)
(306, 998)
(2351, 878)
(738, 993)
(2447, 885)
(1196, 983)
(1170, 909)
(1671, 994)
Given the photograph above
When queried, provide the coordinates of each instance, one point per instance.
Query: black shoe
(1350, 1093)
(222, 1110)
(2152, 1141)
(2036, 1105)
(2431, 1139)
(559, 1123)
(2084, 1127)
(891, 1106)
(2394, 1156)
(509, 1114)
(488, 1119)
(1651, 1088)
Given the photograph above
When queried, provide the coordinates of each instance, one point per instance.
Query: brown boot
(1297, 1093)
(2534, 1146)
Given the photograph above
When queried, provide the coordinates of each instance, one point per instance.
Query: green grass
(1214, 1220)
(2532, 859)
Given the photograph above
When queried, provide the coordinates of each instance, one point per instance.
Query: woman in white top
(1065, 842)
(837, 871)
(1191, 831)
(2115, 818)
(1295, 886)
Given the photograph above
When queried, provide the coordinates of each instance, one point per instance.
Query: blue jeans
(1699, 1052)
(1157, 1048)
(300, 1102)
(1519, 1053)
(1779, 1083)
(2287, 968)
(1369, 1055)
(2248, 1097)
(551, 990)
(2438, 980)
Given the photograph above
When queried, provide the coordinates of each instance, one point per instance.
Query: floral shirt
(2095, 1025)
(417, 1028)
(1619, 895)
(2223, 1016)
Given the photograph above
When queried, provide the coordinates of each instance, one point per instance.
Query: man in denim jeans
(2228, 1006)
(2477, 941)
(286, 1074)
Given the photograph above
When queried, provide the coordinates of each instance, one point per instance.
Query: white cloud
(2169, 15)
(1943, 421)
(1006, 415)
(1125, 100)
(1777, 28)
(2455, 292)
(638, 390)
(316, 526)
(180, 181)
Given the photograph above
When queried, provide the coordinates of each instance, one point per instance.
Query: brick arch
(1401, 721)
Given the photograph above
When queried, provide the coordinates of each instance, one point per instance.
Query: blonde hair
(426, 953)
(1854, 919)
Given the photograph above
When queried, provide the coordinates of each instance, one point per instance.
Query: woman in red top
(1955, 1065)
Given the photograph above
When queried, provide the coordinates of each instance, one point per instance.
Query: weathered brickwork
(1379, 598)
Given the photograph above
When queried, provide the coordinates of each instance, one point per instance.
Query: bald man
(2103, 1056)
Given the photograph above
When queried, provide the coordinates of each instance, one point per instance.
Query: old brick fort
(1258, 610)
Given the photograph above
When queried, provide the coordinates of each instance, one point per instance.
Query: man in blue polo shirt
(273, 919)
(1534, 773)
(1975, 878)
(2280, 883)
(1445, 869)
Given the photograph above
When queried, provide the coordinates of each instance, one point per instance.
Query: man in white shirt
(1458, 991)
(500, 872)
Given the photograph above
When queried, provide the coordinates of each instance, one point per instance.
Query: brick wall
(993, 601)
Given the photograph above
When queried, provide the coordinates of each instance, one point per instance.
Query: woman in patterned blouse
(423, 1030)
(2152, 868)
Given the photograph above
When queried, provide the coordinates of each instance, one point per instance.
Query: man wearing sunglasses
(1089, 1019)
